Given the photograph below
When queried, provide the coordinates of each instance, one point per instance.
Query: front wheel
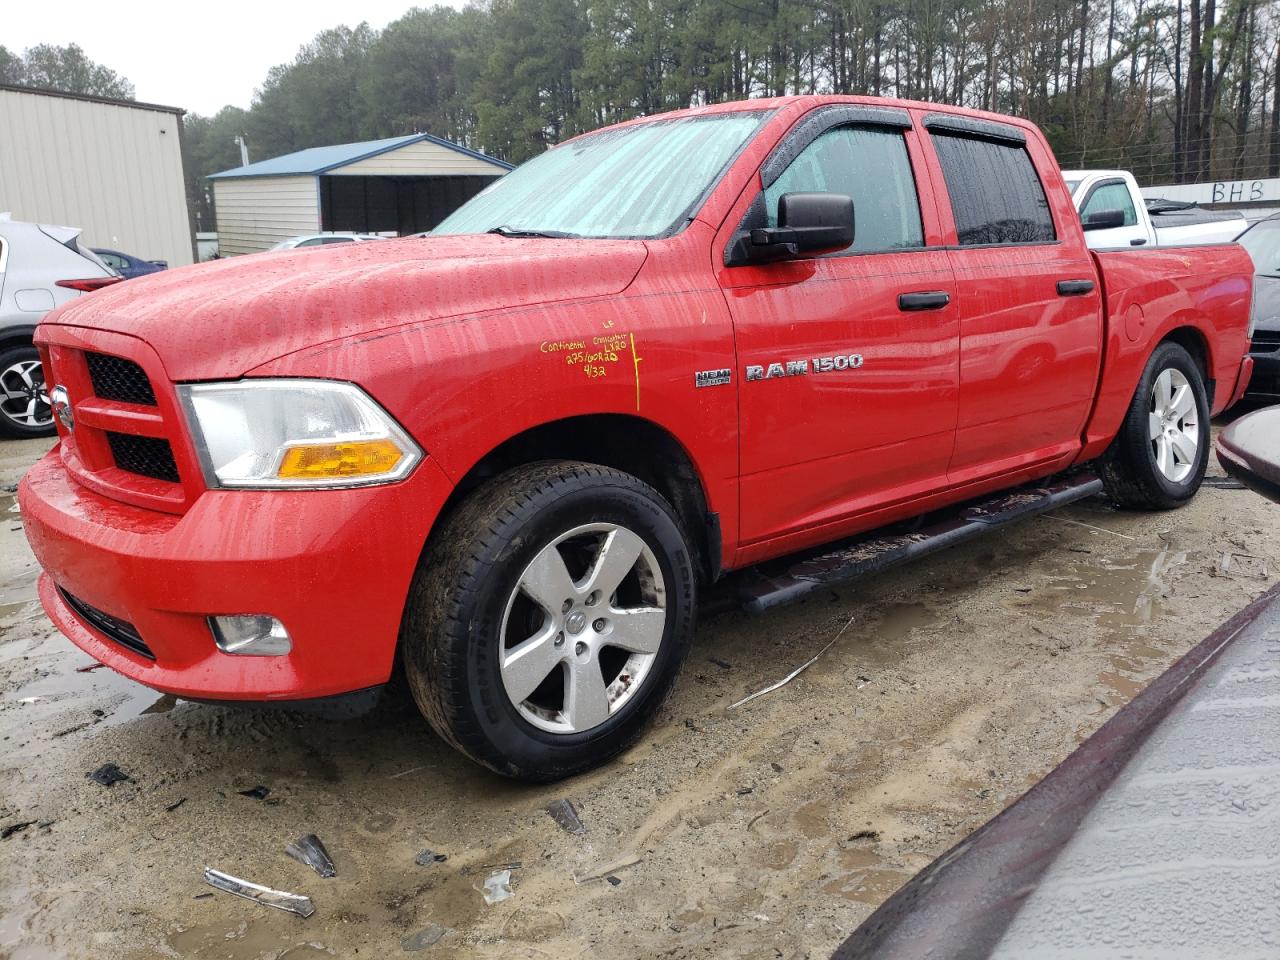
(1158, 458)
(24, 398)
(548, 619)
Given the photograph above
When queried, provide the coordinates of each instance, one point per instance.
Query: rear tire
(1158, 458)
(24, 397)
(523, 647)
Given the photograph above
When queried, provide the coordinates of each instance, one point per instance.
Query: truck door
(1113, 193)
(1030, 311)
(847, 362)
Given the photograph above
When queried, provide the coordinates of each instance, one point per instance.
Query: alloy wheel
(23, 397)
(582, 628)
(1173, 425)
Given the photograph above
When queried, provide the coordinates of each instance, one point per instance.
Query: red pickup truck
(512, 452)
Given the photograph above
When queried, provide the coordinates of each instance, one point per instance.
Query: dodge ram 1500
(511, 453)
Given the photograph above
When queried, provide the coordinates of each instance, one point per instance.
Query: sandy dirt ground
(766, 831)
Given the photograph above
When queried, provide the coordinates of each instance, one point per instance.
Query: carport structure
(400, 185)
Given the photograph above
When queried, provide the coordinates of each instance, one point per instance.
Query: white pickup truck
(1114, 214)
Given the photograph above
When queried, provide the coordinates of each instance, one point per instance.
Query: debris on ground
(427, 937)
(279, 899)
(256, 793)
(107, 774)
(562, 812)
(798, 670)
(175, 805)
(865, 835)
(613, 881)
(91, 667)
(10, 829)
(310, 851)
(722, 664)
(608, 868)
(497, 887)
(1242, 565)
(427, 857)
(1223, 483)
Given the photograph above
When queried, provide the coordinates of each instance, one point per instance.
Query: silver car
(41, 267)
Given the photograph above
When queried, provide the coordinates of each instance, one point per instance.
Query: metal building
(401, 185)
(111, 167)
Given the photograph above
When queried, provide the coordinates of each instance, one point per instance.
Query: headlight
(295, 433)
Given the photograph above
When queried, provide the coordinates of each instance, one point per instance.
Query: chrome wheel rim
(582, 628)
(1173, 425)
(23, 397)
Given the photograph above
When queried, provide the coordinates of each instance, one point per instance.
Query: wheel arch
(634, 445)
(1192, 339)
(19, 335)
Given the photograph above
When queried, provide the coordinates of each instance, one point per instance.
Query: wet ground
(767, 830)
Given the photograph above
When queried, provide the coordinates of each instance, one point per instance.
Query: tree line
(1176, 90)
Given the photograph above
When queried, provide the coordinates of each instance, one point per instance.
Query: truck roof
(808, 101)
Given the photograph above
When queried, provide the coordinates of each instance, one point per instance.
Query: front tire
(24, 399)
(548, 619)
(1157, 460)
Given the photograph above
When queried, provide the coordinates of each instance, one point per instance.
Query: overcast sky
(198, 56)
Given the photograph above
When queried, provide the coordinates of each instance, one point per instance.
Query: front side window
(1111, 196)
(869, 164)
(996, 194)
(642, 181)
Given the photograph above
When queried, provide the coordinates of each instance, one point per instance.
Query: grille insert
(1265, 341)
(115, 378)
(145, 456)
(113, 628)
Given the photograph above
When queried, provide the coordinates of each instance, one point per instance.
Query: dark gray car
(1262, 240)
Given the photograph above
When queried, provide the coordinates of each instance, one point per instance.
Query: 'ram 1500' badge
(798, 368)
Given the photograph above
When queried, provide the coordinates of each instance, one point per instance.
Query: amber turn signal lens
(356, 458)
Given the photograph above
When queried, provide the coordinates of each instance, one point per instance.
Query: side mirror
(1104, 220)
(809, 223)
(1249, 450)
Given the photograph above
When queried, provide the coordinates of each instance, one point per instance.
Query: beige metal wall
(114, 171)
(256, 212)
(422, 159)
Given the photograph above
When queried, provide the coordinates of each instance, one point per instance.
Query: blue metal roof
(317, 160)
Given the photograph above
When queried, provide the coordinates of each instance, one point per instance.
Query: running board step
(764, 588)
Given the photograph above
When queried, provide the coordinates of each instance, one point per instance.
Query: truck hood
(222, 319)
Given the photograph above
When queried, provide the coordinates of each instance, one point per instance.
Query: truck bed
(1203, 292)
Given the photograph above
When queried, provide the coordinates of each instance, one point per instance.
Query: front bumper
(334, 566)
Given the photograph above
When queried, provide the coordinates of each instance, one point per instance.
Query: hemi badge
(712, 378)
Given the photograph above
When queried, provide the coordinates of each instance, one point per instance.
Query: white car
(41, 267)
(323, 240)
(1114, 214)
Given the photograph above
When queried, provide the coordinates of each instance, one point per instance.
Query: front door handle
(925, 300)
(1074, 288)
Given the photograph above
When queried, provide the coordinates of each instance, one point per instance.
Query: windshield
(1262, 240)
(640, 181)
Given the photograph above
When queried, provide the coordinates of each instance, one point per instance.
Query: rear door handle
(925, 300)
(1074, 288)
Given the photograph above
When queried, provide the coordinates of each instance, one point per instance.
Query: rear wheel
(24, 398)
(1158, 458)
(548, 620)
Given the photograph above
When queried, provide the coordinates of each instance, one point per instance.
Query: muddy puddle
(1118, 593)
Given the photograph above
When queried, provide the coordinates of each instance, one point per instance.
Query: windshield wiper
(505, 231)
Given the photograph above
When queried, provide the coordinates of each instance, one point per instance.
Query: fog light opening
(250, 635)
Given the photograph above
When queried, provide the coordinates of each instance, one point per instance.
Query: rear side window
(1111, 196)
(996, 195)
(869, 164)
